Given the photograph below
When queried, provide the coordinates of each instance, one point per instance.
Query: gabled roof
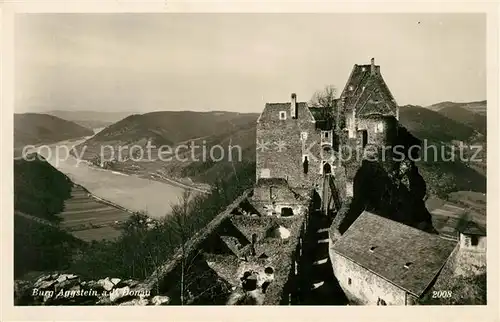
(472, 228)
(270, 108)
(317, 112)
(384, 246)
(367, 92)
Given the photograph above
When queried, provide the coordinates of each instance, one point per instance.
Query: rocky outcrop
(71, 289)
(397, 195)
(389, 188)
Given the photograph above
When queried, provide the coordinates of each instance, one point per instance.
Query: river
(131, 192)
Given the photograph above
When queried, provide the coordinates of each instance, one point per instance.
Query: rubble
(71, 289)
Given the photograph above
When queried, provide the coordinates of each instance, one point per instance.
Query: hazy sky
(237, 62)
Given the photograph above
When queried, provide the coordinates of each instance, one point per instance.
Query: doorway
(364, 136)
(327, 168)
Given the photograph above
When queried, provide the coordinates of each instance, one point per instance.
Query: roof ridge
(396, 222)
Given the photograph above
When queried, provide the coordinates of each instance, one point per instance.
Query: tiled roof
(273, 109)
(317, 113)
(383, 247)
(280, 106)
(472, 228)
(367, 91)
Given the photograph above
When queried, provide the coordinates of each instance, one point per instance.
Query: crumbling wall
(279, 193)
(71, 289)
(273, 198)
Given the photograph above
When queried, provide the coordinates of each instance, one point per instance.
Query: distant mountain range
(472, 114)
(33, 128)
(91, 119)
(478, 107)
(445, 125)
(439, 123)
(172, 129)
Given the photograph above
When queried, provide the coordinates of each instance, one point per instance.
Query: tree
(180, 213)
(325, 99)
(197, 280)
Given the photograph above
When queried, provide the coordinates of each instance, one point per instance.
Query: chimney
(293, 106)
(372, 71)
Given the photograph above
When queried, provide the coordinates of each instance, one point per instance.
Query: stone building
(301, 144)
(283, 131)
(370, 115)
(471, 256)
(366, 93)
(379, 261)
(473, 237)
(295, 144)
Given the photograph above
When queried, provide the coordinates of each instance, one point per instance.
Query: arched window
(305, 164)
(327, 168)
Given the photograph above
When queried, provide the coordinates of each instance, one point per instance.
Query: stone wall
(363, 287)
(465, 243)
(341, 182)
(469, 260)
(381, 130)
(288, 163)
(273, 198)
(280, 193)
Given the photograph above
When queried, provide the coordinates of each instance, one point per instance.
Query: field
(128, 191)
(90, 219)
(446, 214)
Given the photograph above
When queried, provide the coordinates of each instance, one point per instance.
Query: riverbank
(130, 192)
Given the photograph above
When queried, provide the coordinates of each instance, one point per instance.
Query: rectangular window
(379, 127)
(351, 127)
(265, 173)
(474, 240)
(282, 115)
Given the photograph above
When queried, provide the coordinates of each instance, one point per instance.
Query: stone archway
(327, 168)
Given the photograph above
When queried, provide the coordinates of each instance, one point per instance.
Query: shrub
(144, 246)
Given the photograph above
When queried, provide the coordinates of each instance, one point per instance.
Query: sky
(238, 62)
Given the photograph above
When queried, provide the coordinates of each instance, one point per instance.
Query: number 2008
(441, 294)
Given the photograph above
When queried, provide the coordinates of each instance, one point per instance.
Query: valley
(128, 191)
